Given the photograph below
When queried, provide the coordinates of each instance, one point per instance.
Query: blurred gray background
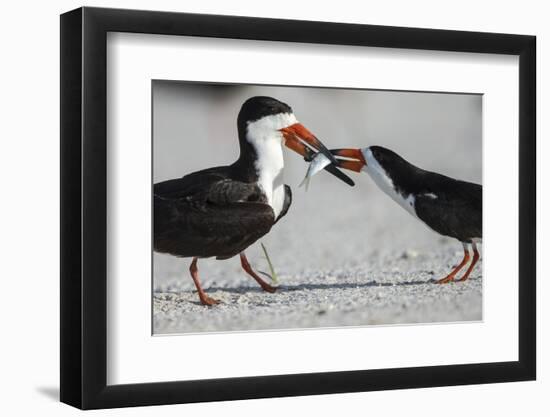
(332, 226)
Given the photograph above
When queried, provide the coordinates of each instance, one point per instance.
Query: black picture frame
(83, 207)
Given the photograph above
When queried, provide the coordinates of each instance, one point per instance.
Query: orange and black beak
(354, 159)
(302, 141)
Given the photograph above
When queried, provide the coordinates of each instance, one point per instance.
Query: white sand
(382, 293)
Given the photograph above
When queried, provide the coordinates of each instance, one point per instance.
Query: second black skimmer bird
(446, 205)
(219, 212)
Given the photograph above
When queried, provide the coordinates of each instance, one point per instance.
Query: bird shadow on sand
(312, 287)
(328, 286)
(245, 289)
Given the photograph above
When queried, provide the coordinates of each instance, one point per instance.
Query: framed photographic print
(258, 208)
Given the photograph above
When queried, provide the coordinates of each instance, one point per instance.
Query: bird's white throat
(385, 183)
(267, 141)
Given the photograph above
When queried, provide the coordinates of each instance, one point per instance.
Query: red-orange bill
(355, 161)
(305, 143)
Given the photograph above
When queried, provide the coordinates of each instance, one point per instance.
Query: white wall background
(29, 224)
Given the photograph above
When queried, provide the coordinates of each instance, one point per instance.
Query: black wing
(452, 208)
(213, 184)
(286, 203)
(208, 214)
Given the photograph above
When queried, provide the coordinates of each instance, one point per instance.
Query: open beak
(297, 136)
(302, 141)
(354, 159)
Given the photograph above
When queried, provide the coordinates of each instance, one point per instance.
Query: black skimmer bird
(446, 205)
(219, 212)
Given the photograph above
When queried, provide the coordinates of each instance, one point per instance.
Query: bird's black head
(258, 107)
(265, 124)
(386, 157)
(373, 158)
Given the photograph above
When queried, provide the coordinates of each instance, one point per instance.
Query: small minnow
(318, 163)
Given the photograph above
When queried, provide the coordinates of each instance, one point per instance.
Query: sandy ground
(345, 256)
(382, 293)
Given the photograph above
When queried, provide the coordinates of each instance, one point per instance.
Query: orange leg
(471, 267)
(246, 266)
(205, 299)
(451, 276)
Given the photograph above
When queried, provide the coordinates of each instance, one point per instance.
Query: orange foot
(269, 288)
(445, 280)
(208, 301)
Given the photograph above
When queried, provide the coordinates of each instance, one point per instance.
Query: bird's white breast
(264, 136)
(385, 183)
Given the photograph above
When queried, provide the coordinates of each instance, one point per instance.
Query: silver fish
(318, 163)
